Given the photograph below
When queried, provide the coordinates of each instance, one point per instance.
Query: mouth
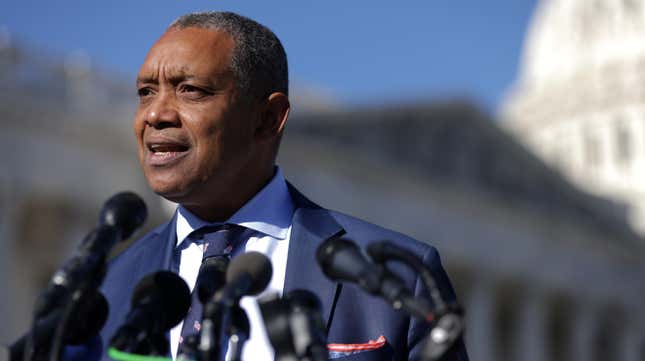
(164, 152)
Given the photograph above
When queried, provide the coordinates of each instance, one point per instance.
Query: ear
(273, 118)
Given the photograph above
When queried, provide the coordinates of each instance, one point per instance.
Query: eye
(190, 88)
(192, 92)
(144, 92)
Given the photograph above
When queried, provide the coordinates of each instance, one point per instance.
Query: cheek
(138, 127)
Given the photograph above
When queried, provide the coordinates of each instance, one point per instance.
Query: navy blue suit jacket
(356, 318)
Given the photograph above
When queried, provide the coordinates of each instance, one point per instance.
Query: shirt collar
(270, 212)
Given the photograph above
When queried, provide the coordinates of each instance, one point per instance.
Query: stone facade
(579, 101)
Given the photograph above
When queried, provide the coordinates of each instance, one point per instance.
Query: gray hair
(259, 61)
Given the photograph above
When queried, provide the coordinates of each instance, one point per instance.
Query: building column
(631, 339)
(530, 329)
(480, 321)
(583, 328)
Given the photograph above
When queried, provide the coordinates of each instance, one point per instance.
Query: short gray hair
(259, 61)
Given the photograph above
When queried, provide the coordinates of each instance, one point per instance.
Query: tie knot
(219, 240)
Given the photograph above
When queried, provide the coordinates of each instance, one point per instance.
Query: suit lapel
(150, 254)
(156, 253)
(311, 226)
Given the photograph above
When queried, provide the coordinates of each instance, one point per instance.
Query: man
(213, 104)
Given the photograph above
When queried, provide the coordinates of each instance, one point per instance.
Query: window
(623, 145)
(592, 152)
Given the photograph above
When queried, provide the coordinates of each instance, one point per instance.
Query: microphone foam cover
(88, 319)
(125, 211)
(304, 299)
(211, 277)
(341, 259)
(254, 264)
(164, 290)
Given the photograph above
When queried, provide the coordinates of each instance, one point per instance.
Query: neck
(226, 203)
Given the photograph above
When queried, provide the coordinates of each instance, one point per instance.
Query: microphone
(384, 251)
(119, 217)
(211, 277)
(449, 325)
(342, 260)
(159, 302)
(295, 326)
(247, 275)
(86, 320)
(443, 336)
(308, 327)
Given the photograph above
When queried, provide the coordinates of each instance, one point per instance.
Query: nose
(162, 112)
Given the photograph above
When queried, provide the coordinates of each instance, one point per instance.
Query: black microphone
(211, 277)
(443, 336)
(247, 275)
(307, 325)
(295, 326)
(119, 217)
(159, 302)
(86, 320)
(448, 325)
(384, 251)
(342, 260)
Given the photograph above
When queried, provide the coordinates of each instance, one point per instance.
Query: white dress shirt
(269, 214)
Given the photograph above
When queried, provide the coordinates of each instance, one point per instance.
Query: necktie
(217, 241)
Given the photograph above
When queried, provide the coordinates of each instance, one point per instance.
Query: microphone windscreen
(341, 259)
(125, 211)
(304, 299)
(256, 265)
(88, 319)
(211, 277)
(166, 292)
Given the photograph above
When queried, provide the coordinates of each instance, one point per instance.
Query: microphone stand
(57, 341)
(216, 322)
(70, 305)
(239, 332)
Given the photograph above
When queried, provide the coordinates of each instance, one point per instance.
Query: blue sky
(359, 52)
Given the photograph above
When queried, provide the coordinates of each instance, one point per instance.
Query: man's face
(195, 132)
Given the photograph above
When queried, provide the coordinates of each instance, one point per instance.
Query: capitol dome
(578, 102)
(571, 38)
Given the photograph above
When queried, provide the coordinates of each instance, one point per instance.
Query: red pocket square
(349, 348)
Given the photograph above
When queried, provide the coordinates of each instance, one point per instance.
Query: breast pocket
(382, 354)
(373, 350)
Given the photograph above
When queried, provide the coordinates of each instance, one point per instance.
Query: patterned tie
(217, 241)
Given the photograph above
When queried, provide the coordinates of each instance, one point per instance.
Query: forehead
(189, 50)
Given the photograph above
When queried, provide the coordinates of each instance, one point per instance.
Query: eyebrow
(177, 76)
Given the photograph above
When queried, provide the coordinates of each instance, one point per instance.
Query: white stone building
(579, 100)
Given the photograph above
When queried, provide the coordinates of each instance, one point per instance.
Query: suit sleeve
(419, 329)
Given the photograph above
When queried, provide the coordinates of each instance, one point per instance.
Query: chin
(171, 191)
